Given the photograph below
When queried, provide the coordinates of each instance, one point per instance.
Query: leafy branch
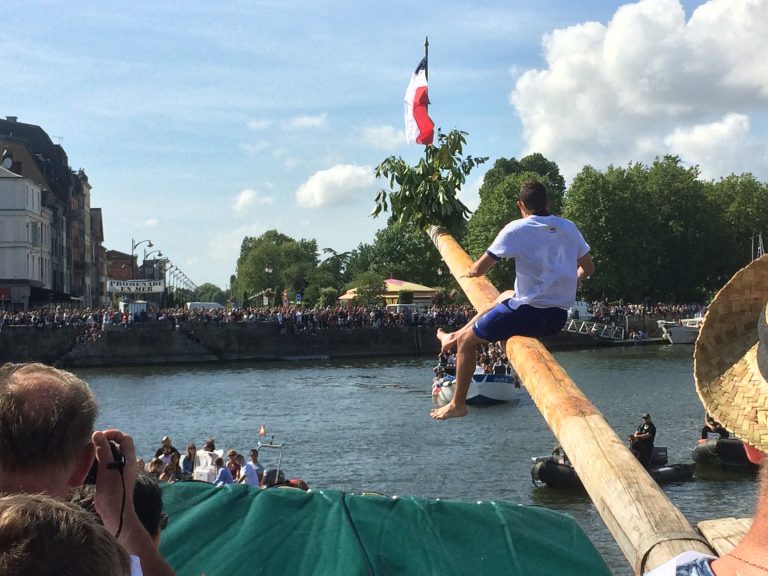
(426, 194)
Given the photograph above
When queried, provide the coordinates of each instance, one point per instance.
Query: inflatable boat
(556, 471)
(728, 453)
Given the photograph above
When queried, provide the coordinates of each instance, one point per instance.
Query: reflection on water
(364, 426)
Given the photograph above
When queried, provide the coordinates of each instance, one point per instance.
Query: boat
(683, 331)
(484, 389)
(556, 471)
(724, 453)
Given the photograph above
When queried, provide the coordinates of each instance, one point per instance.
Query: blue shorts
(501, 322)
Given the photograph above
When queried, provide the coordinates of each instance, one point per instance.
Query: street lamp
(148, 254)
(268, 291)
(135, 245)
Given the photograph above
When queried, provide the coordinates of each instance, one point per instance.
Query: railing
(595, 329)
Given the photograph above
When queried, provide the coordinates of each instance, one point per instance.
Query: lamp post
(135, 245)
(144, 262)
(268, 291)
(440, 285)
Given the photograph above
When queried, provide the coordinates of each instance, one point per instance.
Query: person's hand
(114, 486)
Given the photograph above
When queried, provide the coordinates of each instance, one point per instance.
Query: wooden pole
(648, 528)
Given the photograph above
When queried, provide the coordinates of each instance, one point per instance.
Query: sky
(201, 123)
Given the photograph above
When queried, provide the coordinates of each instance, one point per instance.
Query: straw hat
(730, 362)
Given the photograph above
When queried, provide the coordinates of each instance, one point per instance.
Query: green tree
(612, 213)
(404, 251)
(208, 293)
(405, 297)
(276, 261)
(370, 287)
(651, 230)
(426, 194)
(360, 260)
(741, 201)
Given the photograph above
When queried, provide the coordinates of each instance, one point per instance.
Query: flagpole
(426, 58)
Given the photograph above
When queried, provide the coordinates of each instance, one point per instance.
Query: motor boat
(556, 471)
(725, 453)
(484, 389)
(684, 331)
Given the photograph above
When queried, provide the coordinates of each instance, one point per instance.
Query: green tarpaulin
(236, 530)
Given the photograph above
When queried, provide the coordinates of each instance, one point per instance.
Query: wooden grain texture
(723, 534)
(648, 528)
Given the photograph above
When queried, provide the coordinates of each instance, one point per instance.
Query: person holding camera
(48, 445)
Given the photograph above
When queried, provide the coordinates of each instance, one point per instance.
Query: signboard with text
(135, 286)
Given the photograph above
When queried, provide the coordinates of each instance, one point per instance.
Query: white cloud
(259, 124)
(385, 138)
(255, 148)
(302, 122)
(249, 198)
(720, 147)
(649, 83)
(151, 223)
(338, 185)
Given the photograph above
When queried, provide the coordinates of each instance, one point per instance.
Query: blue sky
(201, 123)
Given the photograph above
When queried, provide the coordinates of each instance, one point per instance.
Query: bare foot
(447, 339)
(448, 411)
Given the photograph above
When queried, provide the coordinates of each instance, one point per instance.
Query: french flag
(419, 128)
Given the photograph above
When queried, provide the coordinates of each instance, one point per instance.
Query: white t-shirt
(686, 564)
(251, 476)
(545, 249)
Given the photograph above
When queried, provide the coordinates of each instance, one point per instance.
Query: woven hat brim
(727, 356)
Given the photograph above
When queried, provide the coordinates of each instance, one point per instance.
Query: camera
(118, 463)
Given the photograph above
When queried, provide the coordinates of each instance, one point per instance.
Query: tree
(275, 261)
(741, 201)
(651, 230)
(402, 250)
(426, 194)
(360, 260)
(208, 293)
(370, 287)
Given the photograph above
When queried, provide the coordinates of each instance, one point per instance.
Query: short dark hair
(148, 503)
(41, 535)
(533, 195)
(47, 415)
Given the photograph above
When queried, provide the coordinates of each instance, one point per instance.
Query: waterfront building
(75, 256)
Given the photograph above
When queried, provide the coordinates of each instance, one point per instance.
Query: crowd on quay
(296, 318)
(616, 312)
(285, 319)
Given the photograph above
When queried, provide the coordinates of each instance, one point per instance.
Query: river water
(363, 425)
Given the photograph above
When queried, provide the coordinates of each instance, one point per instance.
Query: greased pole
(648, 528)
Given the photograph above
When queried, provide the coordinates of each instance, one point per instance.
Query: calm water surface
(364, 425)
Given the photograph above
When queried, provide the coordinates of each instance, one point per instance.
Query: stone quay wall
(148, 343)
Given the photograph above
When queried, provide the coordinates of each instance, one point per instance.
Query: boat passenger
(641, 440)
(232, 464)
(258, 466)
(223, 475)
(166, 447)
(207, 455)
(712, 426)
(731, 375)
(188, 462)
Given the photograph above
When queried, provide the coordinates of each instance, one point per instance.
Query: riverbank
(162, 342)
